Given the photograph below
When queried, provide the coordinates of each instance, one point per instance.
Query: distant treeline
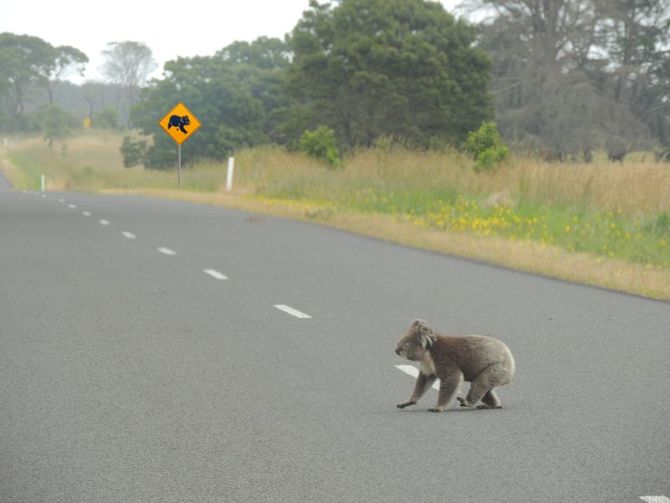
(35, 94)
(571, 76)
(561, 78)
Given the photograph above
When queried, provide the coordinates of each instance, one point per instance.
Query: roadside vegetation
(613, 218)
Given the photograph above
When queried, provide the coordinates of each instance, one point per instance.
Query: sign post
(179, 124)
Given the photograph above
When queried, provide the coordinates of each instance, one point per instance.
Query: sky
(170, 28)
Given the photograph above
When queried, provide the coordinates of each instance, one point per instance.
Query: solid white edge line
(104, 222)
(414, 372)
(292, 311)
(128, 235)
(215, 274)
(166, 251)
(655, 499)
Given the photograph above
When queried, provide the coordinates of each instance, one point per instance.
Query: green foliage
(134, 151)
(486, 147)
(236, 95)
(57, 123)
(265, 53)
(163, 153)
(402, 68)
(322, 145)
(24, 61)
(106, 119)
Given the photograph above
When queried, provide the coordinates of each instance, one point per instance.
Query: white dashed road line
(166, 251)
(655, 499)
(72, 206)
(414, 372)
(128, 235)
(291, 311)
(104, 222)
(86, 213)
(61, 200)
(215, 274)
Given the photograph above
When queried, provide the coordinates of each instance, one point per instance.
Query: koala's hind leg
(483, 384)
(490, 400)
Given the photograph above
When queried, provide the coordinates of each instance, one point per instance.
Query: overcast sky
(170, 28)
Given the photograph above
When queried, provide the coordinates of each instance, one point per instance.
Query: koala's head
(185, 120)
(418, 338)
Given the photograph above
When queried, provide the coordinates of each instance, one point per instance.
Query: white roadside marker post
(43, 183)
(229, 174)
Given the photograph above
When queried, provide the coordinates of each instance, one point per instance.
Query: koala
(483, 361)
(179, 122)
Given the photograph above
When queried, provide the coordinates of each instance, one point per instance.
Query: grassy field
(603, 223)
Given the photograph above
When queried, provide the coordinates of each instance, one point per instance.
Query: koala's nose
(397, 351)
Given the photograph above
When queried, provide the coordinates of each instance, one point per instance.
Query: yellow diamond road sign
(180, 123)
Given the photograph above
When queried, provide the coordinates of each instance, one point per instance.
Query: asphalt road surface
(129, 374)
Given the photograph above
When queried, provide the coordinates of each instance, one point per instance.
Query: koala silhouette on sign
(179, 122)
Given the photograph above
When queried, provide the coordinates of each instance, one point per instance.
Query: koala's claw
(406, 404)
(464, 402)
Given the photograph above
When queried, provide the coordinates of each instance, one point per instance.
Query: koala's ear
(426, 340)
(425, 334)
(418, 323)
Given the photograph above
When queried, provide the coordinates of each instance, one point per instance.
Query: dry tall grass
(632, 188)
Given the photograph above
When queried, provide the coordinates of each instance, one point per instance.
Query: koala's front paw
(436, 409)
(464, 402)
(406, 404)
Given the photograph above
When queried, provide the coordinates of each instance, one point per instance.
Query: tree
(261, 65)
(66, 60)
(371, 68)
(263, 53)
(128, 64)
(571, 76)
(635, 35)
(91, 92)
(24, 61)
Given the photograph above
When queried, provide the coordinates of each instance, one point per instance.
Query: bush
(134, 151)
(160, 156)
(321, 144)
(486, 147)
(57, 123)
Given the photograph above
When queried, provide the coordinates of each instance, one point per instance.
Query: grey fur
(483, 361)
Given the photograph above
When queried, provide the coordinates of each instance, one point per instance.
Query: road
(130, 374)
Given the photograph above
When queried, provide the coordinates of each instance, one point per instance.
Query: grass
(609, 211)
(603, 223)
(92, 162)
